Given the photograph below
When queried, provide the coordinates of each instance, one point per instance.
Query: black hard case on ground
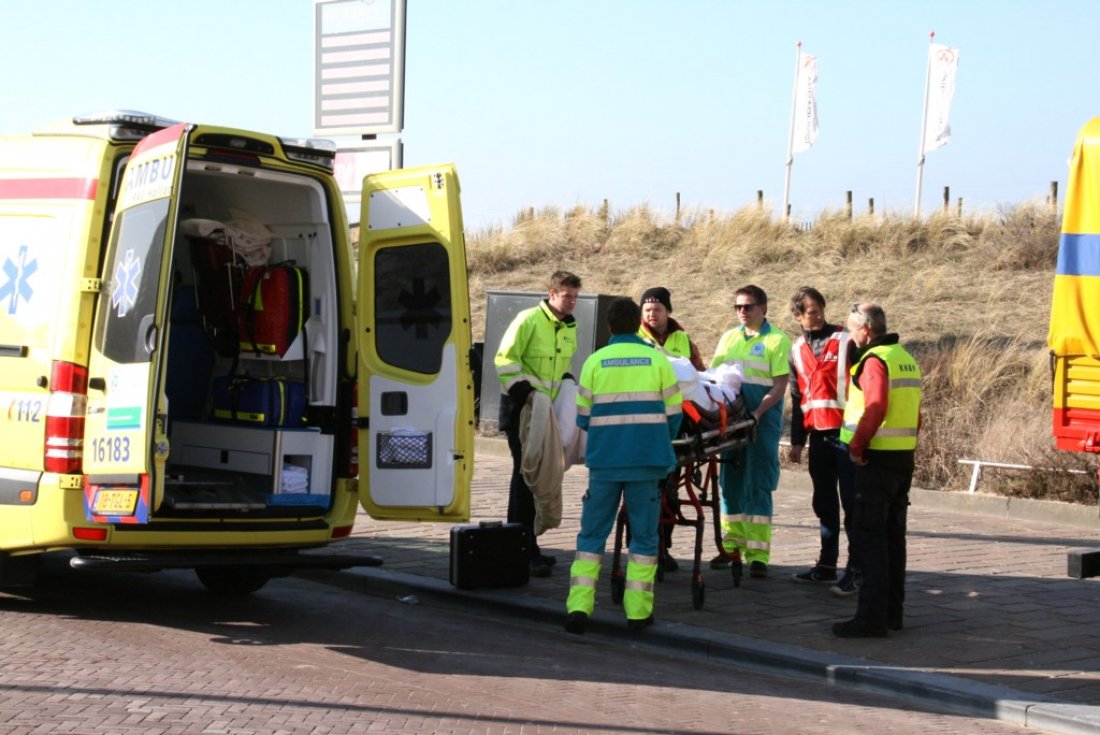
(490, 554)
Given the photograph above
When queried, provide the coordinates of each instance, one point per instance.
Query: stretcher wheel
(735, 567)
(698, 593)
(618, 589)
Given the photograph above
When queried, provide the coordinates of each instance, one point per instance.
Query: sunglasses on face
(744, 307)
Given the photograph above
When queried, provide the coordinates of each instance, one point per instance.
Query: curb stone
(940, 690)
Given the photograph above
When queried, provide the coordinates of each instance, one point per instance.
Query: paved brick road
(156, 654)
(988, 597)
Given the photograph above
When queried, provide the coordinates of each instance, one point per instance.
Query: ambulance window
(412, 306)
(129, 299)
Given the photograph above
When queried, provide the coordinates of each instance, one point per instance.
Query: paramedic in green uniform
(750, 474)
(629, 403)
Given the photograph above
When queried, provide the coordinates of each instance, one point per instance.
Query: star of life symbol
(18, 284)
(124, 284)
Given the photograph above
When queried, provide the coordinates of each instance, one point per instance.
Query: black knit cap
(658, 295)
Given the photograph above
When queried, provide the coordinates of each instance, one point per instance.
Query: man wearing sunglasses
(751, 473)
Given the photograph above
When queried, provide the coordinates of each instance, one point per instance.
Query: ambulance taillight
(65, 418)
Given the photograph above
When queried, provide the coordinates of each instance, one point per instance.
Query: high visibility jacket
(761, 356)
(538, 348)
(822, 380)
(898, 431)
(629, 401)
(676, 344)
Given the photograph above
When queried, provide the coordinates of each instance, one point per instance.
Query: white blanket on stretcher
(706, 388)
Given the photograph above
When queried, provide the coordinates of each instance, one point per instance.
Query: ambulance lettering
(148, 180)
(22, 408)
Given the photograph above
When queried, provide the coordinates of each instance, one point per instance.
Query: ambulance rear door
(125, 443)
(415, 381)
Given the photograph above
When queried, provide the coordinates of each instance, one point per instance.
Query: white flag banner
(943, 63)
(805, 104)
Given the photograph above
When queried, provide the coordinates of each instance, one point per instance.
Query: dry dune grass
(969, 295)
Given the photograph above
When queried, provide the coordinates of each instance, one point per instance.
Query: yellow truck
(1074, 336)
(141, 425)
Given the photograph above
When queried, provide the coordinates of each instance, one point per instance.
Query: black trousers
(521, 502)
(830, 470)
(878, 536)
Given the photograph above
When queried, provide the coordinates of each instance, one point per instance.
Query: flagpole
(923, 125)
(790, 139)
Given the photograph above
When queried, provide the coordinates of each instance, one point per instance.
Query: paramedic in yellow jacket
(750, 474)
(662, 331)
(629, 403)
(534, 355)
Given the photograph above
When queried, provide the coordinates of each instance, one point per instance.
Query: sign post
(359, 59)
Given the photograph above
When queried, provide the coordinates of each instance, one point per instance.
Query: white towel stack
(294, 479)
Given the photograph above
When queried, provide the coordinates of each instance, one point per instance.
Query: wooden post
(605, 212)
(677, 209)
(1053, 201)
(959, 211)
(759, 198)
(946, 197)
(848, 204)
(871, 206)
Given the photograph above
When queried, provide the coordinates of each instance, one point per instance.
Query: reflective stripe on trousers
(582, 582)
(750, 535)
(641, 571)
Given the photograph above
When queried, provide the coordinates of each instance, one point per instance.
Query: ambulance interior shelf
(268, 467)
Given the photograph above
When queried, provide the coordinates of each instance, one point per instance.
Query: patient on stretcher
(712, 398)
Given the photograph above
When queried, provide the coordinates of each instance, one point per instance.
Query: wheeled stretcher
(691, 490)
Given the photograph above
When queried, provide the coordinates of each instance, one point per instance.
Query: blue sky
(576, 101)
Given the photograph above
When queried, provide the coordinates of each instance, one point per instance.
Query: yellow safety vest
(762, 357)
(676, 343)
(898, 431)
(537, 347)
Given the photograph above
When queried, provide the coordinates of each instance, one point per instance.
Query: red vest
(822, 380)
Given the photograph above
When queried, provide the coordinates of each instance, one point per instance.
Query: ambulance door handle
(147, 330)
(99, 384)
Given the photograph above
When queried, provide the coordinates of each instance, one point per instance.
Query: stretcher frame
(694, 486)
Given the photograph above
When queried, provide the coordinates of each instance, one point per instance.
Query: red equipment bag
(273, 308)
(219, 278)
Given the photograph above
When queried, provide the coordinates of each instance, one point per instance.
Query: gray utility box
(592, 334)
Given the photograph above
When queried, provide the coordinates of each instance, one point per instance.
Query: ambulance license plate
(116, 502)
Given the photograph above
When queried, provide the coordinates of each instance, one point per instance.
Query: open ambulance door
(125, 442)
(415, 397)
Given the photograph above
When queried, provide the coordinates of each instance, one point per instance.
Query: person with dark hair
(881, 423)
(629, 403)
(535, 355)
(750, 474)
(819, 363)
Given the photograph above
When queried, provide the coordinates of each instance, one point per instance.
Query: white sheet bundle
(708, 388)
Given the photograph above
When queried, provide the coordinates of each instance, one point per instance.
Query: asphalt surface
(994, 626)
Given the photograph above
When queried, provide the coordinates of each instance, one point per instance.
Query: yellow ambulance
(142, 429)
